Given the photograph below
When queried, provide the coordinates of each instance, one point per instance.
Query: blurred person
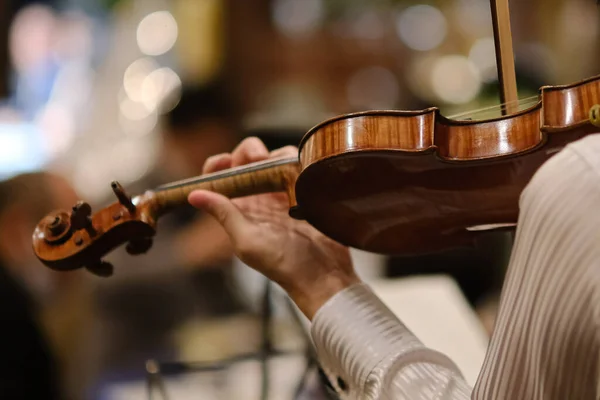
(8, 10)
(32, 39)
(545, 343)
(37, 305)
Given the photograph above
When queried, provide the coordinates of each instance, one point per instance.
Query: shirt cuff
(355, 333)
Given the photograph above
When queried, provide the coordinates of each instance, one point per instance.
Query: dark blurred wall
(5, 17)
(260, 57)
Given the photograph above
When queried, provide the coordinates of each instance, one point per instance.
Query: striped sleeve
(361, 345)
(546, 341)
(545, 344)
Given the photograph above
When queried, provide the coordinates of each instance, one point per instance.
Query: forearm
(367, 353)
(312, 298)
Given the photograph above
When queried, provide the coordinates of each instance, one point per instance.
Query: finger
(287, 151)
(250, 150)
(217, 163)
(223, 210)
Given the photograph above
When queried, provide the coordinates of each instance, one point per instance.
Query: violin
(390, 182)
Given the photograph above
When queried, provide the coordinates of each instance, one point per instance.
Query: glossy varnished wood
(264, 177)
(491, 139)
(113, 226)
(60, 246)
(569, 105)
(403, 183)
(424, 132)
(405, 131)
(393, 182)
(559, 108)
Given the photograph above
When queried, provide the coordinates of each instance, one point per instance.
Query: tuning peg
(122, 196)
(102, 269)
(81, 218)
(138, 246)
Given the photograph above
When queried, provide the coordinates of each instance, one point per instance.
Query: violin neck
(269, 176)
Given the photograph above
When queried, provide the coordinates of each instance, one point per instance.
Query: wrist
(312, 297)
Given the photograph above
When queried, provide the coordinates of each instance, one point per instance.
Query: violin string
(256, 166)
(489, 113)
(521, 105)
(525, 101)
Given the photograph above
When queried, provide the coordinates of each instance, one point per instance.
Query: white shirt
(546, 342)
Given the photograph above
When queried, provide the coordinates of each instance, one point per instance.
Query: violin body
(402, 183)
(390, 182)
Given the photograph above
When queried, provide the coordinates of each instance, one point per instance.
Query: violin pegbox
(80, 239)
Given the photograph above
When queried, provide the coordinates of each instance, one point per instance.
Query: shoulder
(588, 150)
(562, 200)
(576, 166)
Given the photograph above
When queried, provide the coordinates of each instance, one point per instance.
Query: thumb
(222, 209)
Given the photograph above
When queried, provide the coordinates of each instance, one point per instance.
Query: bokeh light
(483, 56)
(161, 90)
(157, 33)
(418, 76)
(135, 119)
(12, 144)
(421, 27)
(92, 174)
(298, 18)
(135, 75)
(57, 124)
(131, 159)
(369, 26)
(373, 88)
(140, 127)
(455, 79)
(473, 17)
(133, 110)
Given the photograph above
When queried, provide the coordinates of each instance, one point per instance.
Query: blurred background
(142, 91)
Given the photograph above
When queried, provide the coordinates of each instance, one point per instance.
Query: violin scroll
(70, 240)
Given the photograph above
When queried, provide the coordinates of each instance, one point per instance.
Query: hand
(309, 266)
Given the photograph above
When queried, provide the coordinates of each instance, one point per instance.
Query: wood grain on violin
(277, 175)
(568, 105)
(391, 182)
(66, 241)
(398, 182)
(559, 108)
